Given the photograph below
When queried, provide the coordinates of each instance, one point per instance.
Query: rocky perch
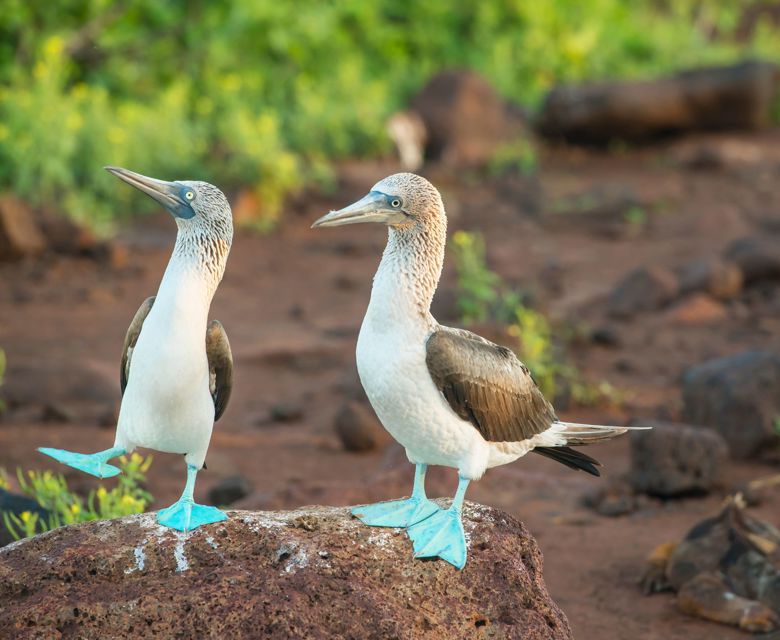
(310, 573)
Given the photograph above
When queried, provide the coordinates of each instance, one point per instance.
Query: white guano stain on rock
(140, 559)
(178, 554)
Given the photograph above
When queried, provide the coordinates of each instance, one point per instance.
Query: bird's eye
(189, 195)
(395, 203)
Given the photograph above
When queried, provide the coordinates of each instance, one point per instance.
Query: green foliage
(519, 155)
(482, 295)
(266, 94)
(51, 492)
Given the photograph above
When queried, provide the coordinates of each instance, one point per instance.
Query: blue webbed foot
(185, 515)
(95, 464)
(396, 513)
(440, 535)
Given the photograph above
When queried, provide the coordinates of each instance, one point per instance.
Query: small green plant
(483, 295)
(52, 493)
(478, 286)
(519, 155)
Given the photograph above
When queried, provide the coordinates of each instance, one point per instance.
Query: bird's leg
(442, 534)
(400, 513)
(92, 463)
(184, 514)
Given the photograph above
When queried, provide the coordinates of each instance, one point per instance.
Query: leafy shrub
(266, 94)
(51, 492)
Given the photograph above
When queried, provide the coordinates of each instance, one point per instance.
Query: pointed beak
(374, 207)
(168, 194)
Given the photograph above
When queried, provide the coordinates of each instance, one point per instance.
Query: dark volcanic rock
(464, 117)
(358, 428)
(16, 504)
(731, 97)
(739, 396)
(310, 573)
(644, 289)
(757, 256)
(675, 459)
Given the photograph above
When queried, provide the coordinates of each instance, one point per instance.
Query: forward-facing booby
(176, 370)
(449, 396)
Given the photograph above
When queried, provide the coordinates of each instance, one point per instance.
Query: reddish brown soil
(292, 303)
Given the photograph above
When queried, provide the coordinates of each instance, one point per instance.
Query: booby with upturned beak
(447, 395)
(176, 370)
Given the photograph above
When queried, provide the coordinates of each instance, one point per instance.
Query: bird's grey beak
(372, 208)
(168, 194)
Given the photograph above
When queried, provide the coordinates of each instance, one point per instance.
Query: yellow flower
(75, 509)
(101, 493)
(127, 500)
(54, 46)
(25, 516)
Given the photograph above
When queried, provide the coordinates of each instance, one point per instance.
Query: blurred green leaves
(264, 94)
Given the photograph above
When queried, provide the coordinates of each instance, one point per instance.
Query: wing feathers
(220, 366)
(131, 339)
(487, 385)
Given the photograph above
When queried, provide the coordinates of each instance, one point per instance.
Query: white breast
(167, 405)
(392, 369)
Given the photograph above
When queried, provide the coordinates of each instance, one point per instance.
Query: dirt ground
(292, 303)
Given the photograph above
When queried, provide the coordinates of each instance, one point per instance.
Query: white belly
(392, 369)
(167, 405)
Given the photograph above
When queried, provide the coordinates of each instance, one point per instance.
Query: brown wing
(487, 385)
(220, 366)
(131, 338)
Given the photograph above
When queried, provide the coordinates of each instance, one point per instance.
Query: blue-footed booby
(176, 370)
(447, 395)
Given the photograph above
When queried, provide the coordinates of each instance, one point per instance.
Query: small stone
(357, 427)
(697, 309)
(675, 459)
(611, 499)
(57, 413)
(644, 289)
(757, 256)
(229, 490)
(109, 417)
(19, 233)
(286, 412)
(606, 336)
(720, 278)
(739, 397)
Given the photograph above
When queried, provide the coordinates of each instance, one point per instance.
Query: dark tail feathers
(571, 458)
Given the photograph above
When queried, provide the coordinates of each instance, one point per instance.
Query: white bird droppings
(178, 554)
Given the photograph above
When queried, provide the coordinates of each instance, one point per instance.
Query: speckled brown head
(401, 201)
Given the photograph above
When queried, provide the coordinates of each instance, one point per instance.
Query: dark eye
(395, 203)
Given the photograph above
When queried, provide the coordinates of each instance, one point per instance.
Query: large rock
(465, 119)
(676, 459)
(739, 396)
(310, 573)
(730, 97)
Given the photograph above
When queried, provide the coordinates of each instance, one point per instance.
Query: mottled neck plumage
(412, 263)
(199, 257)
